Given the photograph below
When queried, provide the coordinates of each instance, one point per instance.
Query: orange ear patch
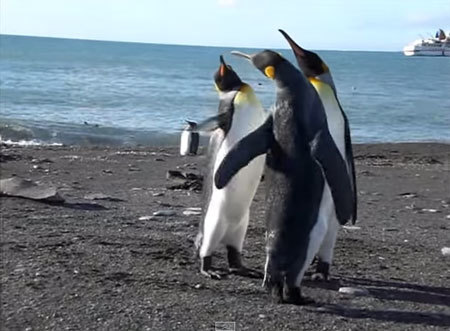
(270, 71)
(222, 70)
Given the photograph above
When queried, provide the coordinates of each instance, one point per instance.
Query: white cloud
(226, 3)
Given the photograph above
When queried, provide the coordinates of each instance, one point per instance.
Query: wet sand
(95, 265)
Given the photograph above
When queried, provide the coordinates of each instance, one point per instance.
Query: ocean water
(94, 92)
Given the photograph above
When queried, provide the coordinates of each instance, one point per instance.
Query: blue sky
(321, 24)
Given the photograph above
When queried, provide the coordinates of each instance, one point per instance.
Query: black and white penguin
(227, 209)
(304, 174)
(318, 73)
(189, 139)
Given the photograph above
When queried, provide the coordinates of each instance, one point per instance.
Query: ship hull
(425, 52)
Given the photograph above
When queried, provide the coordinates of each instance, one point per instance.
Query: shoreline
(102, 261)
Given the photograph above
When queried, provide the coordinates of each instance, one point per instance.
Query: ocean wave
(25, 143)
(29, 133)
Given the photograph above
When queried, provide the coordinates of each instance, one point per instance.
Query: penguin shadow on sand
(392, 291)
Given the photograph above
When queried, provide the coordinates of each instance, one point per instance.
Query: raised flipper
(245, 150)
(325, 151)
(212, 123)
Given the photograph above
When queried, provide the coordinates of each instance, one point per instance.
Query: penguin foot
(292, 295)
(276, 293)
(322, 271)
(246, 272)
(206, 268)
(319, 277)
(211, 274)
(237, 268)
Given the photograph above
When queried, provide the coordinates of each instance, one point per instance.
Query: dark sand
(93, 265)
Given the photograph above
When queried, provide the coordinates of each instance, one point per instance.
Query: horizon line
(189, 45)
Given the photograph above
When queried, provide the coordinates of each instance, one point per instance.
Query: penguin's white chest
(185, 142)
(235, 198)
(335, 119)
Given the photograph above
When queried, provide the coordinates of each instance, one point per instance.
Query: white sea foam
(25, 143)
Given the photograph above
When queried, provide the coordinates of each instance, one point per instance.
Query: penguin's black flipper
(245, 150)
(351, 168)
(334, 168)
(220, 120)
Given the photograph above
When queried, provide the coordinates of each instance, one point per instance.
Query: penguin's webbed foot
(207, 270)
(237, 268)
(211, 274)
(322, 271)
(292, 295)
(285, 294)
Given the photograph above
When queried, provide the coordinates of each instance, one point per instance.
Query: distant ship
(437, 46)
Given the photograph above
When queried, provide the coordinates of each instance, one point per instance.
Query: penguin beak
(269, 71)
(223, 66)
(240, 54)
(298, 51)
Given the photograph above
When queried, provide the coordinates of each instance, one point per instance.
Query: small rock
(351, 227)
(160, 159)
(107, 171)
(390, 229)
(430, 210)
(262, 316)
(164, 213)
(41, 161)
(445, 251)
(447, 217)
(408, 195)
(147, 218)
(198, 286)
(194, 208)
(356, 291)
(100, 196)
(158, 194)
(191, 212)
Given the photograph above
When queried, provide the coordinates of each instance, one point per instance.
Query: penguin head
(266, 61)
(226, 78)
(309, 62)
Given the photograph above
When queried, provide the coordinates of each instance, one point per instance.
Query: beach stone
(191, 212)
(351, 227)
(101, 196)
(158, 194)
(167, 212)
(408, 195)
(390, 229)
(430, 210)
(147, 218)
(194, 208)
(445, 251)
(24, 188)
(355, 291)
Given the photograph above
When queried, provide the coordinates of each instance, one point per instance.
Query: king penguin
(304, 173)
(189, 139)
(318, 73)
(228, 208)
